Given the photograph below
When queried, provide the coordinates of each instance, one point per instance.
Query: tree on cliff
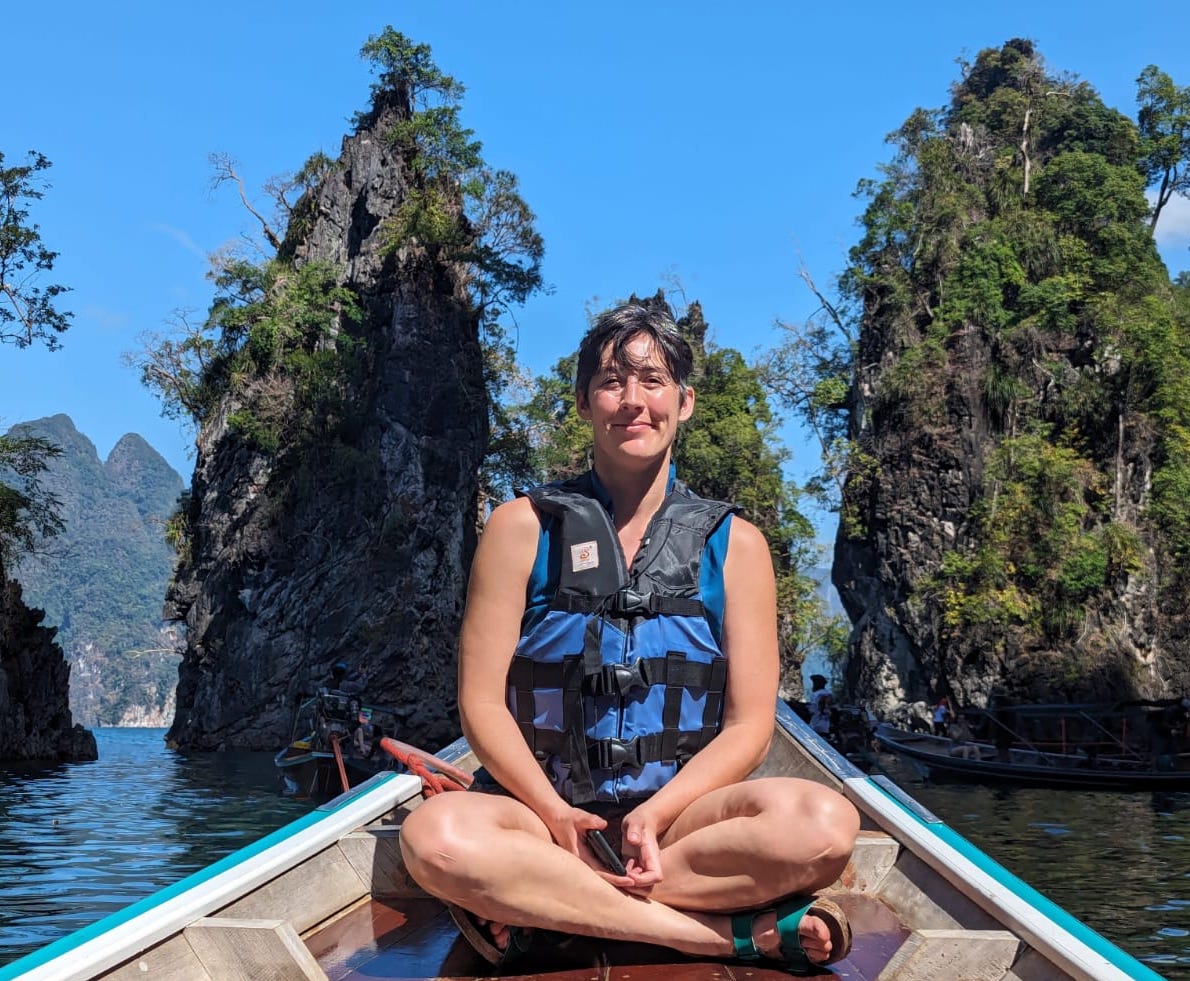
(28, 314)
(1164, 119)
(337, 385)
(1012, 368)
(285, 317)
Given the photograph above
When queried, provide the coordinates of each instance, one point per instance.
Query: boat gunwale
(128, 932)
(1052, 932)
(1060, 936)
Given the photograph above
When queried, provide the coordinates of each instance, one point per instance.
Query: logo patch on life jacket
(584, 555)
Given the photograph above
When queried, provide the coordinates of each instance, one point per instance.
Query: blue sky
(712, 145)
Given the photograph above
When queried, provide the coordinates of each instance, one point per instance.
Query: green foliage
(273, 339)
(28, 312)
(1163, 117)
(102, 580)
(458, 208)
(405, 69)
(1044, 547)
(178, 533)
(29, 514)
(1006, 250)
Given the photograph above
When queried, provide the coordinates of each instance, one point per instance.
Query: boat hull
(327, 897)
(1053, 771)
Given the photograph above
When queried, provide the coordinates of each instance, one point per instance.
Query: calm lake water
(82, 840)
(1120, 862)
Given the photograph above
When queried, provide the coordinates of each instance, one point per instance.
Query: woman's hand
(640, 837)
(569, 827)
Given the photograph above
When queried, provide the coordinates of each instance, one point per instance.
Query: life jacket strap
(614, 754)
(628, 603)
(674, 671)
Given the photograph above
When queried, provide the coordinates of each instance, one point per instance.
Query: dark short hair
(618, 327)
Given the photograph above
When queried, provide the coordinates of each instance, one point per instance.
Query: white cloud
(106, 319)
(182, 239)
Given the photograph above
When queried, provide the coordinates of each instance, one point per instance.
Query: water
(79, 841)
(1120, 862)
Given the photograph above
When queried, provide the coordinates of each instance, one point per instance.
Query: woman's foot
(495, 942)
(798, 932)
(812, 931)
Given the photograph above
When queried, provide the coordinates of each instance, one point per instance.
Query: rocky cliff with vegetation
(1016, 397)
(34, 681)
(339, 389)
(102, 579)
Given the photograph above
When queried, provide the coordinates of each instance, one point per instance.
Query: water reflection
(1120, 862)
(81, 840)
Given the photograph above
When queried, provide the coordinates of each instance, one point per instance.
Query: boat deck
(416, 938)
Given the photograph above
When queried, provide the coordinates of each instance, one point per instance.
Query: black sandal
(480, 937)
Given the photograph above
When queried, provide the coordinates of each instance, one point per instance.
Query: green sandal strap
(789, 918)
(741, 936)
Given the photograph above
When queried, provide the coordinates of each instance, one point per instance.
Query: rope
(418, 762)
(339, 760)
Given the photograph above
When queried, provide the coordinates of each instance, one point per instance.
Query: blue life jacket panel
(621, 679)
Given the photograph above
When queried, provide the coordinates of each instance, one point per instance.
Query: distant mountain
(102, 581)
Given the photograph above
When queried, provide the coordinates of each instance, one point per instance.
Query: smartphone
(605, 853)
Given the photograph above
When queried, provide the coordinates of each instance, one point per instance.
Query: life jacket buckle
(618, 679)
(629, 603)
(612, 754)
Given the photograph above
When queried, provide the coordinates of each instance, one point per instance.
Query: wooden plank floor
(411, 939)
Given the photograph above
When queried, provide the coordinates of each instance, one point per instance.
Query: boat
(1074, 747)
(335, 744)
(327, 897)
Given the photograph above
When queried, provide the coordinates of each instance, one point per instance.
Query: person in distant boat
(618, 674)
(942, 716)
(820, 705)
(343, 680)
(961, 736)
(1167, 728)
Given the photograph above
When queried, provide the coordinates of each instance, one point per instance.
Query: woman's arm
(750, 643)
(487, 642)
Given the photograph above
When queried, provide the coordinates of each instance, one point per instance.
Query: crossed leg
(740, 847)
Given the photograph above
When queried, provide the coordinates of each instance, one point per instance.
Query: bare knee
(836, 820)
(434, 845)
(811, 831)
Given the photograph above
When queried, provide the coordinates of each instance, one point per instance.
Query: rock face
(1009, 522)
(355, 550)
(35, 720)
(926, 503)
(101, 580)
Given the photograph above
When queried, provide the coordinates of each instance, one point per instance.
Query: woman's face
(635, 410)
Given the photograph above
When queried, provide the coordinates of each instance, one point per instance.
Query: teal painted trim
(1071, 924)
(115, 920)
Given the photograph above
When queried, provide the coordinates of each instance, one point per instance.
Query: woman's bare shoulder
(517, 516)
(745, 540)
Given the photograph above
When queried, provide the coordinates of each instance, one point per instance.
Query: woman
(618, 673)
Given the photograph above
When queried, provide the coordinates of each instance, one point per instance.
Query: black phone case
(604, 852)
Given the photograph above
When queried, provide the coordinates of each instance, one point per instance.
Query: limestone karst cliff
(35, 719)
(348, 536)
(101, 580)
(1014, 516)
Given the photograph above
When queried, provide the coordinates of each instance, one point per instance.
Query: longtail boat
(943, 758)
(327, 897)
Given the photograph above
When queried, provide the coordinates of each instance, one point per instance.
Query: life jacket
(621, 680)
